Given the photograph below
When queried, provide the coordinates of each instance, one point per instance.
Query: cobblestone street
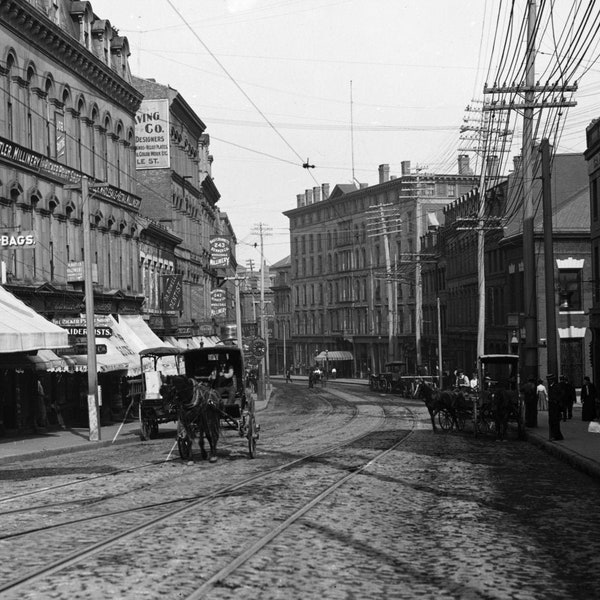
(437, 516)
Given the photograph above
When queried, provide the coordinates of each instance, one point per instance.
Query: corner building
(355, 273)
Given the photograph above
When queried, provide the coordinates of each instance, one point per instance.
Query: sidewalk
(65, 441)
(580, 449)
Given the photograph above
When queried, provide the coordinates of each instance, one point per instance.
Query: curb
(572, 458)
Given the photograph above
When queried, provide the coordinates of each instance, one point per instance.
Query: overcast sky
(345, 84)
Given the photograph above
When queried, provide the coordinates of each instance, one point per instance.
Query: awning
(195, 342)
(43, 360)
(140, 337)
(334, 355)
(119, 354)
(22, 329)
(142, 331)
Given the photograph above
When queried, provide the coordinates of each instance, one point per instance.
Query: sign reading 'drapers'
(25, 239)
(152, 135)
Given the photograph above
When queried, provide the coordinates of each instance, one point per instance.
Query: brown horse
(502, 405)
(438, 400)
(198, 413)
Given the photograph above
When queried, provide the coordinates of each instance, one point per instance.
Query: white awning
(23, 330)
(119, 356)
(140, 337)
(142, 331)
(333, 355)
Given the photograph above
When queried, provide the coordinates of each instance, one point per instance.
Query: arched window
(10, 63)
(30, 83)
(48, 89)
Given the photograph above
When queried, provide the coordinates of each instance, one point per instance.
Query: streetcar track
(79, 555)
(266, 539)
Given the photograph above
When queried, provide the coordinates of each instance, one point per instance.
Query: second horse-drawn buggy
(490, 407)
(206, 389)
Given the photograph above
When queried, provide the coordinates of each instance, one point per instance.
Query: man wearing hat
(555, 407)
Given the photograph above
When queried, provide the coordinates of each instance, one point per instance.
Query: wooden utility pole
(552, 353)
(528, 91)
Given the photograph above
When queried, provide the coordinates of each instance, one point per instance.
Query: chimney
(464, 167)
(309, 197)
(492, 165)
(517, 163)
(317, 194)
(300, 200)
(325, 189)
(362, 186)
(405, 165)
(384, 173)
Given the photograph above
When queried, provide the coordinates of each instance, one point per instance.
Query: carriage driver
(226, 382)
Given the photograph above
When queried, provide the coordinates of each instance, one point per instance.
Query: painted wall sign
(152, 150)
(24, 239)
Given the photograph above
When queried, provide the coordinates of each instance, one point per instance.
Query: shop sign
(22, 240)
(218, 303)
(219, 251)
(172, 292)
(75, 272)
(152, 144)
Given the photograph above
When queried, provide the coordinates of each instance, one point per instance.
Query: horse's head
(422, 390)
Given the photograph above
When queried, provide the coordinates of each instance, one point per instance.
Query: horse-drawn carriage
(490, 407)
(208, 389)
(390, 379)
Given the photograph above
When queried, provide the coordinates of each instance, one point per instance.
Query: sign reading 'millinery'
(24, 158)
(220, 251)
(152, 135)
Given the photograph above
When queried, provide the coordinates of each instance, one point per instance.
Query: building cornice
(28, 23)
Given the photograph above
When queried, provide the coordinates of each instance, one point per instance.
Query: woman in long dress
(542, 395)
(588, 400)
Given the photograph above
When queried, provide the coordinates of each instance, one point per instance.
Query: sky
(345, 85)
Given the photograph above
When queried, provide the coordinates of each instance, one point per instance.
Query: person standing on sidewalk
(542, 395)
(588, 400)
(555, 408)
(530, 398)
(569, 397)
(40, 415)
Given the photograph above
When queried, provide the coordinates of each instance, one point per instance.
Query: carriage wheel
(184, 444)
(445, 420)
(145, 430)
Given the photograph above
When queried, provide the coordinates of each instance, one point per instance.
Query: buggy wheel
(445, 420)
(145, 429)
(184, 444)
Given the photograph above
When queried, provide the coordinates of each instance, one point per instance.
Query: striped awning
(333, 355)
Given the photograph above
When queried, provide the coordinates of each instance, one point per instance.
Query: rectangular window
(594, 198)
(569, 290)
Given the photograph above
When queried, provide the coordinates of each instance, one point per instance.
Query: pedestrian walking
(40, 414)
(530, 398)
(333, 373)
(588, 400)
(569, 396)
(542, 395)
(288, 376)
(555, 409)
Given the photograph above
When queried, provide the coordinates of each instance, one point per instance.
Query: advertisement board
(152, 149)
(219, 251)
(218, 303)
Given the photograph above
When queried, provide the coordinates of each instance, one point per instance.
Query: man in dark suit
(555, 408)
